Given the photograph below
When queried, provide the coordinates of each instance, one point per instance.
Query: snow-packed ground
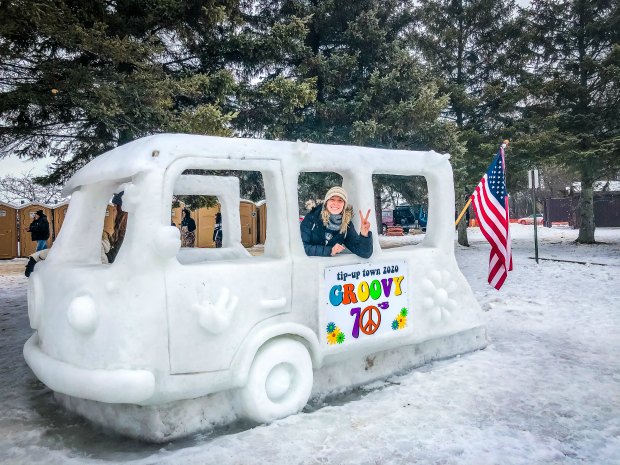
(545, 391)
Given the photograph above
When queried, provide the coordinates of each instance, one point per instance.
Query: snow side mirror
(167, 242)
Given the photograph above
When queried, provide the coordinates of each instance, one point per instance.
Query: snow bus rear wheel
(279, 382)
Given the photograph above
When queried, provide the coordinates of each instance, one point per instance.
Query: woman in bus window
(328, 229)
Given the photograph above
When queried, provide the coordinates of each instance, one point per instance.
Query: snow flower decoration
(340, 337)
(331, 326)
(437, 292)
(394, 325)
(404, 312)
(331, 338)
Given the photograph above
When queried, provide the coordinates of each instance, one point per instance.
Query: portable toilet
(247, 212)
(261, 207)
(176, 216)
(8, 231)
(26, 216)
(58, 212)
(205, 222)
(110, 216)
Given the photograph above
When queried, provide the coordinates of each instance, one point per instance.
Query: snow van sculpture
(166, 341)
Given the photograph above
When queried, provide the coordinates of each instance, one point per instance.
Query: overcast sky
(14, 166)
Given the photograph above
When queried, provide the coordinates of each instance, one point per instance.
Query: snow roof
(599, 186)
(36, 204)
(160, 150)
(5, 204)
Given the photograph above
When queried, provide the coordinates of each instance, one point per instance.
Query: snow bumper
(110, 386)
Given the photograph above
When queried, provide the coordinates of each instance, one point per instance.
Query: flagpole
(462, 212)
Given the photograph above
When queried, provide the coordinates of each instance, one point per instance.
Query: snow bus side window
(217, 214)
(318, 241)
(404, 209)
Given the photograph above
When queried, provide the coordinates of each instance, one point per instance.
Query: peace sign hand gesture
(365, 224)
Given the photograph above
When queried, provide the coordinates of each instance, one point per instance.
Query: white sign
(2, 212)
(363, 301)
(532, 174)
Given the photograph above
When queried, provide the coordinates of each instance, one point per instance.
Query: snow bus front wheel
(279, 382)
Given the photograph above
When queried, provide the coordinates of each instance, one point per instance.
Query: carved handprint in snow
(215, 318)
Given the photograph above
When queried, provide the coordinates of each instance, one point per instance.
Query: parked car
(406, 216)
(530, 220)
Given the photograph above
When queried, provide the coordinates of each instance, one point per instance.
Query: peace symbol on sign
(370, 319)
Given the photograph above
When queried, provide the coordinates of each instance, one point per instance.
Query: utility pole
(533, 183)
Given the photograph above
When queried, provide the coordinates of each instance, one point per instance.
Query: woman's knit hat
(336, 191)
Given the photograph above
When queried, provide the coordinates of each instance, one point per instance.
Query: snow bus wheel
(279, 382)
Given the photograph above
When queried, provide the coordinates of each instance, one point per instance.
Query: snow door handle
(270, 304)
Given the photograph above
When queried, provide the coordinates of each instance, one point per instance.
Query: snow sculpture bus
(166, 341)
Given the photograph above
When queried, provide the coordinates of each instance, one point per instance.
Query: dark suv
(406, 216)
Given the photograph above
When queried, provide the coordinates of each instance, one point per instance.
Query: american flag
(491, 206)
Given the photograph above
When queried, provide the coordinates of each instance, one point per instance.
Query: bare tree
(14, 189)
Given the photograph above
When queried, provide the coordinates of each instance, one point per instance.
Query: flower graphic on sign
(334, 334)
(400, 321)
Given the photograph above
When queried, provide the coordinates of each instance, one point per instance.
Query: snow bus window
(312, 187)
(404, 209)
(111, 233)
(217, 216)
(95, 231)
(114, 228)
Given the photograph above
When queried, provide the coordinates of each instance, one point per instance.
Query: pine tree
(370, 89)
(575, 91)
(81, 77)
(258, 46)
(471, 45)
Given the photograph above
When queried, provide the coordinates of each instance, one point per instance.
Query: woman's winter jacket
(313, 235)
(40, 229)
(189, 222)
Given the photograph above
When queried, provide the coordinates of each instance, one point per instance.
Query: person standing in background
(188, 229)
(217, 231)
(40, 230)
